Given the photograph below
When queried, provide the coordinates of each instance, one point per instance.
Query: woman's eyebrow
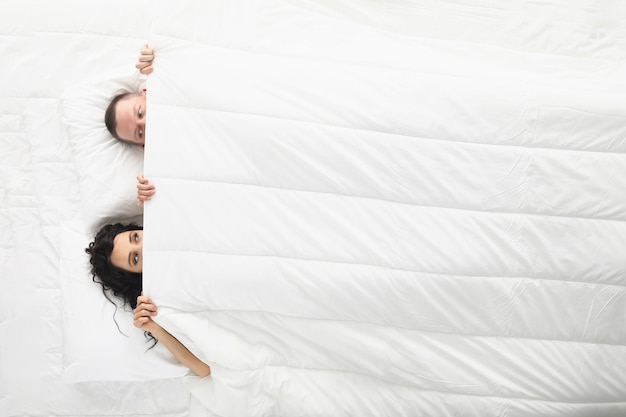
(129, 253)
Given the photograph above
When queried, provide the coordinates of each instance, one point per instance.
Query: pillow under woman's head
(100, 342)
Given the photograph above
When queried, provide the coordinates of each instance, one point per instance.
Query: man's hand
(145, 190)
(144, 63)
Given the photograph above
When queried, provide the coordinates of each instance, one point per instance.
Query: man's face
(130, 115)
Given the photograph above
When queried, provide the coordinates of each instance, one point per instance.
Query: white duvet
(357, 214)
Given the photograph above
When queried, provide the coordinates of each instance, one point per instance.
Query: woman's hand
(145, 190)
(143, 319)
(144, 62)
(143, 314)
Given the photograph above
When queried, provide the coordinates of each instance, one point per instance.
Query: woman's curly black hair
(123, 284)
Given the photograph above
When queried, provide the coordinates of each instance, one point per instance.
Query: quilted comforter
(359, 213)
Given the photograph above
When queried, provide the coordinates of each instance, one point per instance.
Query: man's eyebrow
(134, 113)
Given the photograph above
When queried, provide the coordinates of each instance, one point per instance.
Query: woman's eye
(140, 113)
(136, 259)
(136, 237)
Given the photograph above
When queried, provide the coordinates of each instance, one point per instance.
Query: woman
(117, 264)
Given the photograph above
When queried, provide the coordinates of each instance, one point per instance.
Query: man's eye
(140, 113)
(136, 259)
(141, 133)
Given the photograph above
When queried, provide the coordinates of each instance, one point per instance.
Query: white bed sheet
(419, 220)
(47, 48)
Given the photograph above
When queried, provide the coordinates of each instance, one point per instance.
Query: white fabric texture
(48, 49)
(103, 346)
(486, 79)
(107, 167)
(359, 214)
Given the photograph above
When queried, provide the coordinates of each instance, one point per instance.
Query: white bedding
(361, 214)
(410, 207)
(46, 49)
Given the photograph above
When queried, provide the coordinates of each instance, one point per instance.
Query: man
(125, 118)
(125, 115)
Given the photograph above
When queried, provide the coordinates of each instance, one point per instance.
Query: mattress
(370, 216)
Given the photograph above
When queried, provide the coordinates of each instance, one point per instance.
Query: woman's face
(127, 251)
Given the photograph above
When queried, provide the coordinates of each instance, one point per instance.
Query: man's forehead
(127, 118)
(125, 111)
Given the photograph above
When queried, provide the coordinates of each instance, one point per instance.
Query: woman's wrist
(153, 328)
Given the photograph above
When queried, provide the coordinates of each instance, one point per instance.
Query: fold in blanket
(411, 220)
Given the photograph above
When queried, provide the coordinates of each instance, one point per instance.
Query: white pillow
(93, 347)
(107, 168)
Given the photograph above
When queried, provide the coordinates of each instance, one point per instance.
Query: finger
(141, 321)
(146, 57)
(145, 190)
(144, 185)
(144, 313)
(142, 65)
(142, 299)
(146, 305)
(147, 70)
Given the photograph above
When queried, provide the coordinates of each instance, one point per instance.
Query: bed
(362, 208)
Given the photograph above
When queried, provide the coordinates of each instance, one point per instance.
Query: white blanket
(360, 215)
